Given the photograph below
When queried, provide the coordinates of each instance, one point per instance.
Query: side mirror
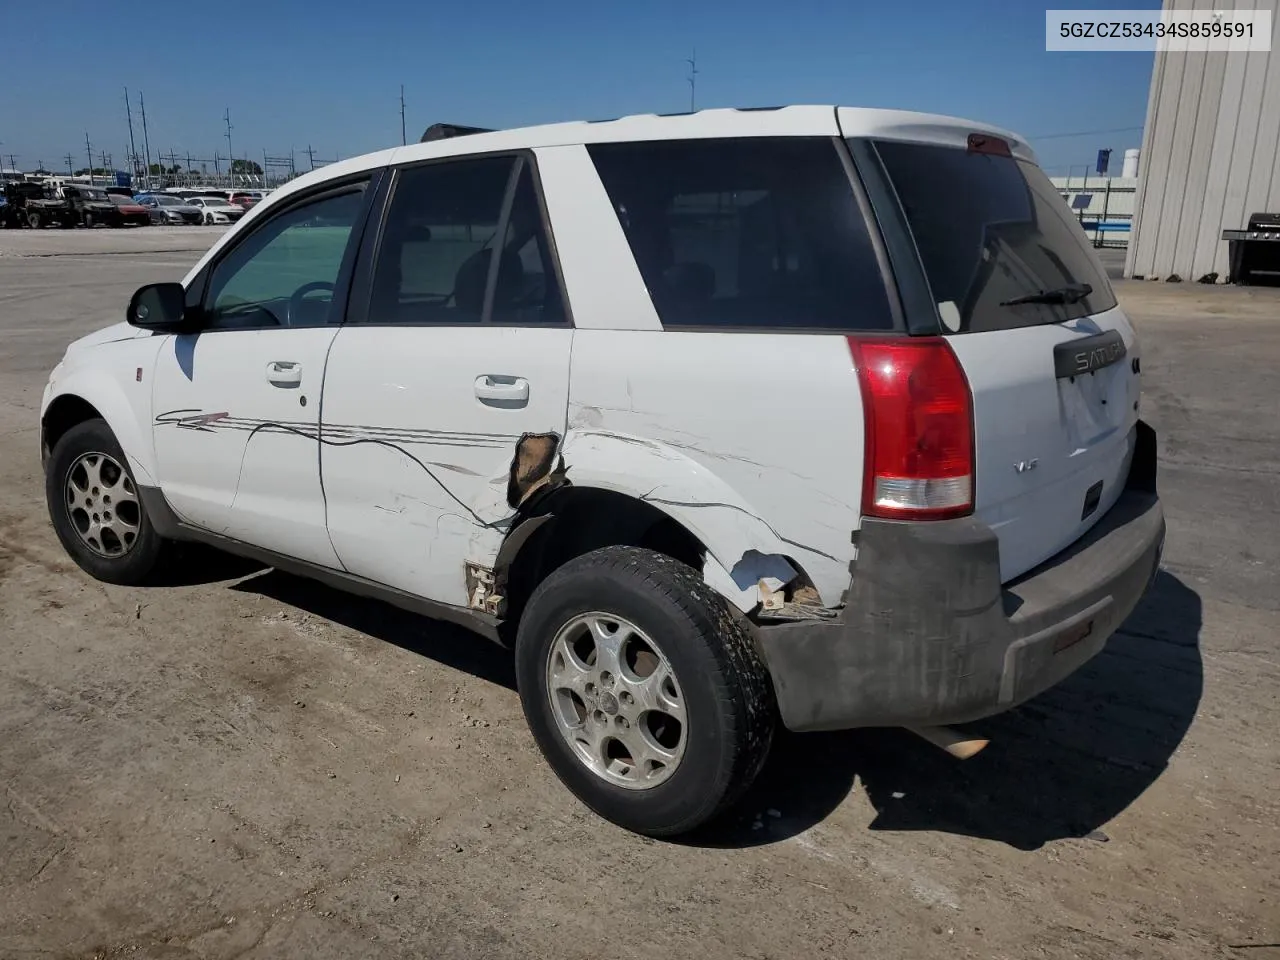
(158, 306)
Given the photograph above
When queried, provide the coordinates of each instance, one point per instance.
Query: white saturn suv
(812, 415)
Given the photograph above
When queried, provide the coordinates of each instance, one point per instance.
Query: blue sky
(328, 74)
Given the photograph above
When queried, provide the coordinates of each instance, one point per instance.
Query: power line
(230, 153)
(1083, 133)
(693, 80)
(133, 149)
(146, 139)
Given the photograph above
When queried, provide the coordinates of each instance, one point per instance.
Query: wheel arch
(613, 489)
(87, 396)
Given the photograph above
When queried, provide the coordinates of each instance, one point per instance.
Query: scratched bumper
(929, 635)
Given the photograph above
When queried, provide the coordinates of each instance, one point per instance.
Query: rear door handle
(284, 373)
(501, 390)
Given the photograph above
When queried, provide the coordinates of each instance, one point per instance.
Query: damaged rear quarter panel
(753, 441)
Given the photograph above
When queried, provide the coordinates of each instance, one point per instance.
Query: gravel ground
(243, 764)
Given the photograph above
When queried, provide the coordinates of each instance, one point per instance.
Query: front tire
(35, 221)
(95, 507)
(643, 690)
(88, 221)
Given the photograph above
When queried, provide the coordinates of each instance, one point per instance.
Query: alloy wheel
(103, 505)
(616, 701)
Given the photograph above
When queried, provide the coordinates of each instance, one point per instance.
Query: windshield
(994, 236)
(92, 194)
(170, 201)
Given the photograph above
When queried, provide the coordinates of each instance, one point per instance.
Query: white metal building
(1210, 153)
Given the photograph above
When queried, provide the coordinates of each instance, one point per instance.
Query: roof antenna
(693, 80)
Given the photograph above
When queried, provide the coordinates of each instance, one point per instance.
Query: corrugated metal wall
(1210, 152)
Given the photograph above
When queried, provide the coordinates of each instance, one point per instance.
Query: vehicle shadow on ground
(436, 640)
(1061, 765)
(199, 564)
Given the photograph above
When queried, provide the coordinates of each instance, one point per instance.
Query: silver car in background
(171, 210)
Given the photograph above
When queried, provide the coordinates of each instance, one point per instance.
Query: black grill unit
(1254, 253)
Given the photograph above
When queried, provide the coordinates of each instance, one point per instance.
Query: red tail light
(918, 412)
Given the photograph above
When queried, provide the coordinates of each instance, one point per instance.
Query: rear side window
(746, 233)
(992, 230)
(441, 237)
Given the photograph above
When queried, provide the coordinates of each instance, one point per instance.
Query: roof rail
(444, 131)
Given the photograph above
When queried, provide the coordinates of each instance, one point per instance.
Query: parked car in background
(245, 198)
(34, 205)
(217, 210)
(129, 212)
(90, 205)
(165, 208)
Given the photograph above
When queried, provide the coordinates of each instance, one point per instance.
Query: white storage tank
(1130, 162)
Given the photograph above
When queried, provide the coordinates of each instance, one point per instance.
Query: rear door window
(445, 225)
(747, 233)
(992, 230)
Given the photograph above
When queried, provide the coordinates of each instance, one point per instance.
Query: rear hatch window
(999, 246)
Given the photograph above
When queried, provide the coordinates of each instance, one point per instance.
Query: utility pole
(146, 141)
(106, 166)
(70, 170)
(88, 148)
(311, 157)
(133, 149)
(693, 80)
(230, 152)
(403, 137)
(13, 163)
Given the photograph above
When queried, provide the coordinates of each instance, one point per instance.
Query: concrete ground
(243, 764)
(1113, 261)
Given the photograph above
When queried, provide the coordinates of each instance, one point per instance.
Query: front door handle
(284, 373)
(501, 390)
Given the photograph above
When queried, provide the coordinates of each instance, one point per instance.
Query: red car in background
(128, 211)
(242, 198)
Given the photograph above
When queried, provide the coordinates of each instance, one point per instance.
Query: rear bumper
(928, 634)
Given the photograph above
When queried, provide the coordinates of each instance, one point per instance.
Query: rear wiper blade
(1072, 293)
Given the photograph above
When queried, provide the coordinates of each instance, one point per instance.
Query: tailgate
(1050, 358)
(1051, 451)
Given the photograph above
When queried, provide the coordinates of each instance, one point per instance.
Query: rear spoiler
(445, 131)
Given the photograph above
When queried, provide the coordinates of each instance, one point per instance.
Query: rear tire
(95, 507)
(35, 221)
(643, 690)
(88, 221)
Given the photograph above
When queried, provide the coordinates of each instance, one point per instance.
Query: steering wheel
(295, 301)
